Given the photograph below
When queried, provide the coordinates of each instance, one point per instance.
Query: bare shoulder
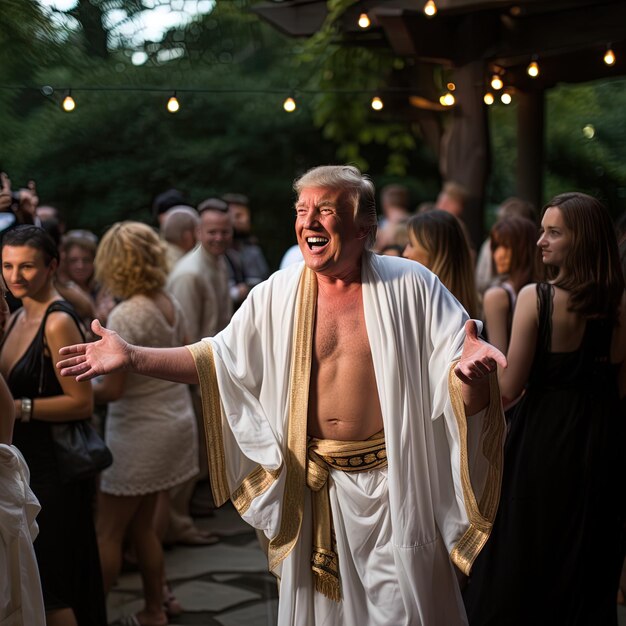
(496, 297)
(61, 324)
(527, 301)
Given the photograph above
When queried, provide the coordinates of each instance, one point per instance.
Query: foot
(171, 605)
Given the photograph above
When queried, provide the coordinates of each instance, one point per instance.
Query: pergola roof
(568, 38)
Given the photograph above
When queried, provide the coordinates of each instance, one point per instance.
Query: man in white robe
(335, 405)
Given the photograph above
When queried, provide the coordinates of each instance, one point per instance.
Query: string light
(68, 103)
(533, 69)
(488, 98)
(447, 99)
(496, 82)
(172, 104)
(377, 104)
(506, 98)
(451, 86)
(430, 8)
(609, 56)
(364, 20)
(289, 105)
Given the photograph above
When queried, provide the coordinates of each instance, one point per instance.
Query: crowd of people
(485, 458)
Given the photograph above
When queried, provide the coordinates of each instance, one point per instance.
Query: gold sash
(322, 456)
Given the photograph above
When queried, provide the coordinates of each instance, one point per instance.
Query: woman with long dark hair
(554, 553)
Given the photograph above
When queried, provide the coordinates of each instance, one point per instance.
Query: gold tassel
(328, 585)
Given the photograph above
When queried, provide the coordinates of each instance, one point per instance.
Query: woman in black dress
(554, 553)
(66, 549)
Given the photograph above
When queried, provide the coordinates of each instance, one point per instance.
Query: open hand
(88, 360)
(478, 358)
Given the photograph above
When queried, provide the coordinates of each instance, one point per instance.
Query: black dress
(554, 554)
(66, 547)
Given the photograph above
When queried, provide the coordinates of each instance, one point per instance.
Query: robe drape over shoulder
(432, 506)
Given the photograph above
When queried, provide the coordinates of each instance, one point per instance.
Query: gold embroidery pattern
(293, 498)
(202, 353)
(256, 483)
(346, 456)
(481, 516)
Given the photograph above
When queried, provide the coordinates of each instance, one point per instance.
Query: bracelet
(27, 409)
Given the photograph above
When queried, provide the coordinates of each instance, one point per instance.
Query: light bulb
(447, 99)
(496, 82)
(451, 86)
(173, 105)
(430, 8)
(377, 103)
(289, 105)
(609, 57)
(68, 104)
(533, 69)
(488, 98)
(506, 98)
(364, 20)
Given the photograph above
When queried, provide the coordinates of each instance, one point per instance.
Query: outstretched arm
(111, 353)
(478, 360)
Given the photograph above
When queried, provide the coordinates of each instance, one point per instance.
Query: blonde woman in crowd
(150, 425)
(515, 260)
(438, 241)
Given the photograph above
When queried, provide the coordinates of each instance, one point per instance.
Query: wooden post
(465, 156)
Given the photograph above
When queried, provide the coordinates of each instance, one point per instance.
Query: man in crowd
(353, 416)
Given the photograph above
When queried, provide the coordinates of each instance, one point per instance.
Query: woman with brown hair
(515, 260)
(437, 240)
(554, 553)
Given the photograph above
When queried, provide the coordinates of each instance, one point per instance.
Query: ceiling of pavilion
(567, 38)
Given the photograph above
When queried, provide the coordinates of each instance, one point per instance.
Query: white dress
(151, 429)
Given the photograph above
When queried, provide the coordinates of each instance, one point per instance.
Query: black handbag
(81, 452)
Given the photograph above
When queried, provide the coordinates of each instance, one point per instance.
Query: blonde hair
(358, 187)
(444, 240)
(131, 260)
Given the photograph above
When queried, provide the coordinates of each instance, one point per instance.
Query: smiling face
(556, 239)
(25, 271)
(215, 231)
(331, 241)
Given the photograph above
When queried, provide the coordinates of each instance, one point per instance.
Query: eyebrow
(321, 203)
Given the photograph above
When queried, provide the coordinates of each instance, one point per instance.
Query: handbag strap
(57, 305)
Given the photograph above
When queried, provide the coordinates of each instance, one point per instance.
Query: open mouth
(315, 243)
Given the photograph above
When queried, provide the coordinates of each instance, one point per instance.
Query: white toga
(398, 529)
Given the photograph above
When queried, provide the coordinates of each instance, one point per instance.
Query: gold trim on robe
(346, 456)
(480, 515)
(293, 498)
(202, 353)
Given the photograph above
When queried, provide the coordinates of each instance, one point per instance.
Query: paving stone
(197, 596)
(260, 614)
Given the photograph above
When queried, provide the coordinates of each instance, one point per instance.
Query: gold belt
(322, 456)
